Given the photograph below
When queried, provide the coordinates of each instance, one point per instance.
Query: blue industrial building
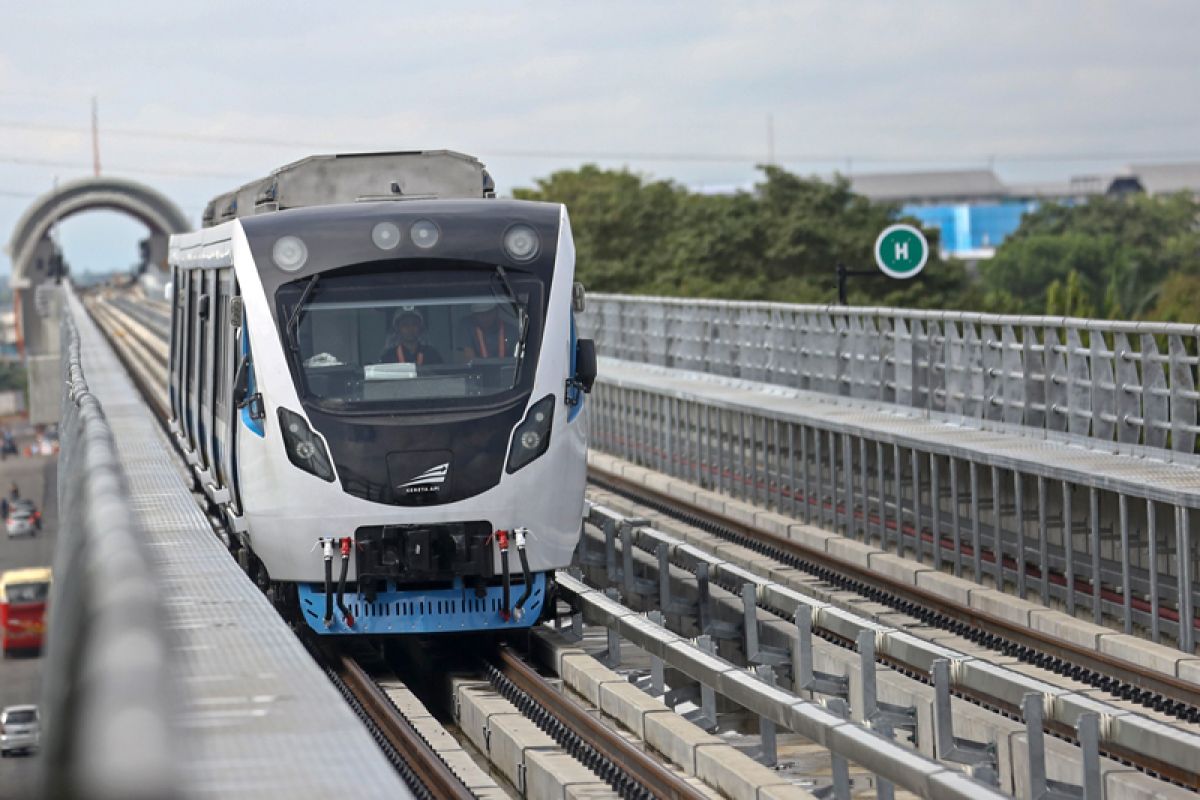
(975, 211)
(970, 230)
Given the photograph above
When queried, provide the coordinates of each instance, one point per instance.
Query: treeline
(1135, 257)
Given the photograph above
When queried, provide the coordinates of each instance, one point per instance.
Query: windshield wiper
(293, 322)
(518, 309)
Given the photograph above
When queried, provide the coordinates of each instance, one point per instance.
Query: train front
(419, 459)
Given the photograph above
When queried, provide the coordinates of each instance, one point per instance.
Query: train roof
(354, 177)
(25, 575)
(534, 211)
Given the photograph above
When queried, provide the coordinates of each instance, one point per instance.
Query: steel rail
(426, 764)
(655, 777)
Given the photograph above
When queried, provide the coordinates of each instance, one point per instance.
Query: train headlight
(532, 437)
(425, 234)
(289, 253)
(386, 235)
(304, 448)
(521, 242)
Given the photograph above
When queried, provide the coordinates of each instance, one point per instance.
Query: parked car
(22, 521)
(20, 730)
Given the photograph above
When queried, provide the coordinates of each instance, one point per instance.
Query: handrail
(106, 696)
(1132, 385)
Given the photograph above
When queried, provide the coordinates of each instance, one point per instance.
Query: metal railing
(1120, 550)
(1129, 385)
(106, 697)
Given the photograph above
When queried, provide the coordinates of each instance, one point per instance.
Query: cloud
(865, 85)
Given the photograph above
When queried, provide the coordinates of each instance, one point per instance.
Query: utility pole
(95, 138)
(770, 139)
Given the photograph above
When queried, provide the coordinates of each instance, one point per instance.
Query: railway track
(1122, 679)
(139, 333)
(1147, 742)
(627, 768)
(414, 757)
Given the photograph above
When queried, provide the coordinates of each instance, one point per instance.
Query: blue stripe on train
(255, 425)
(454, 610)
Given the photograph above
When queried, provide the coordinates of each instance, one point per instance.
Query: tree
(1122, 248)
(1178, 299)
(1070, 299)
(781, 241)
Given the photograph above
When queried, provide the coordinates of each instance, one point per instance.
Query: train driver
(486, 334)
(404, 345)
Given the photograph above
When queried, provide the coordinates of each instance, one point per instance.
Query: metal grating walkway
(259, 718)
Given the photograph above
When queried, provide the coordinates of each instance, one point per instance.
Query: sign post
(901, 252)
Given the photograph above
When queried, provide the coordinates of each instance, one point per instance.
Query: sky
(195, 99)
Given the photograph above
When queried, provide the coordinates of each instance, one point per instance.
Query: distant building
(8, 334)
(949, 186)
(1169, 178)
(975, 211)
(971, 230)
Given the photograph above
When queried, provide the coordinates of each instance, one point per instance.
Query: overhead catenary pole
(770, 138)
(95, 137)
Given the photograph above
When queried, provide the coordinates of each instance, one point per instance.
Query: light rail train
(374, 371)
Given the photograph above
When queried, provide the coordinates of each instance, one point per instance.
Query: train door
(196, 354)
(173, 354)
(208, 367)
(187, 358)
(226, 365)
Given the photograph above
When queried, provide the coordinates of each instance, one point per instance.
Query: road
(20, 678)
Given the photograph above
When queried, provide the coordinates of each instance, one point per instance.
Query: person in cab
(404, 345)
(487, 334)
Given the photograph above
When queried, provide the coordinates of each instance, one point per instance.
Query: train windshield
(411, 339)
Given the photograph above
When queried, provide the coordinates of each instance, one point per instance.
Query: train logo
(428, 481)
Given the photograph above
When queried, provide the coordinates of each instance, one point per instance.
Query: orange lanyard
(400, 356)
(483, 350)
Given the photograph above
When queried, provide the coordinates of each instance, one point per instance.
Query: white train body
(333, 440)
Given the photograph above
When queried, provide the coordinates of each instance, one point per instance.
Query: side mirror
(578, 298)
(241, 382)
(585, 363)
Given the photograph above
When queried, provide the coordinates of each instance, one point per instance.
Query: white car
(20, 729)
(21, 522)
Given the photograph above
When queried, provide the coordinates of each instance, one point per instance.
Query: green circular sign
(901, 251)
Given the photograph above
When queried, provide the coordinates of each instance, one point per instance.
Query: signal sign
(901, 251)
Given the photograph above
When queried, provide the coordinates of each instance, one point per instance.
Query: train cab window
(451, 338)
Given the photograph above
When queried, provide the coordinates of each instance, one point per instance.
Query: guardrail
(106, 694)
(1126, 384)
(1109, 543)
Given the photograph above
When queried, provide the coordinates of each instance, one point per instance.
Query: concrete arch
(141, 202)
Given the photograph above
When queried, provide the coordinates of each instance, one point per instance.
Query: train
(376, 381)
